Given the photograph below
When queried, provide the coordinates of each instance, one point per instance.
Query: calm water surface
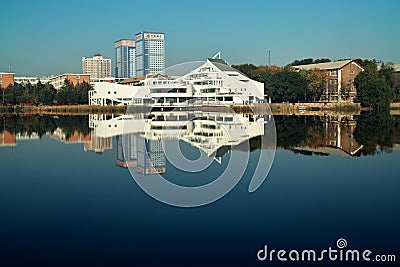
(67, 197)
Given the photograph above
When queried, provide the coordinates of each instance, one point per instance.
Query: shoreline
(304, 109)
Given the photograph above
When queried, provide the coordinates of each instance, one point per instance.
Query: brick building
(6, 79)
(8, 139)
(340, 84)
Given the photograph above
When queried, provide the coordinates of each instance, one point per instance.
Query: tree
(67, 93)
(47, 94)
(345, 90)
(317, 80)
(9, 94)
(245, 68)
(305, 61)
(373, 90)
(396, 88)
(82, 91)
(368, 65)
(308, 61)
(287, 86)
(37, 90)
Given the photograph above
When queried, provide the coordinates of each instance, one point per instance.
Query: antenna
(269, 57)
(217, 55)
(9, 68)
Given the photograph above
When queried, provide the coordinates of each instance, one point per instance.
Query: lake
(196, 189)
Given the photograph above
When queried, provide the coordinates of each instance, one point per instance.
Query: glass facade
(125, 59)
(150, 53)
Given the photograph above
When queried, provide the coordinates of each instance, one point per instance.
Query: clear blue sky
(51, 37)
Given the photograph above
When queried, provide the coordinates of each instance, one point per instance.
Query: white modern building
(213, 83)
(96, 66)
(26, 80)
(75, 78)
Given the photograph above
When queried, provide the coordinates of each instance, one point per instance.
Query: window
(352, 72)
(333, 73)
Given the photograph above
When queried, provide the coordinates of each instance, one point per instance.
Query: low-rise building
(214, 82)
(340, 84)
(26, 80)
(58, 81)
(6, 79)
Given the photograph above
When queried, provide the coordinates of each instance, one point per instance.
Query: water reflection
(344, 135)
(140, 136)
(325, 136)
(212, 133)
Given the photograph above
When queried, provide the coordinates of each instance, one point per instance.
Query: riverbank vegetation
(45, 94)
(376, 87)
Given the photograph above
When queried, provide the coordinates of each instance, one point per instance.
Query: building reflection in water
(336, 138)
(140, 136)
(127, 154)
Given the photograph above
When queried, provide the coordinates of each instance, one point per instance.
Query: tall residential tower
(150, 53)
(97, 66)
(125, 58)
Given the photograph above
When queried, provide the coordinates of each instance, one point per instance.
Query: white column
(339, 85)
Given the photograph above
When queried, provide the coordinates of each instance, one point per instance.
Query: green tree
(308, 61)
(37, 90)
(245, 68)
(82, 90)
(396, 87)
(47, 94)
(67, 93)
(287, 86)
(368, 65)
(373, 90)
(9, 94)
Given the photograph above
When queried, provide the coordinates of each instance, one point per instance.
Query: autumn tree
(317, 80)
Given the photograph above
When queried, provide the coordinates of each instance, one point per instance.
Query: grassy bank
(81, 109)
(276, 108)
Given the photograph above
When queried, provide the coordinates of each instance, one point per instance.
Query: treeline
(308, 61)
(375, 88)
(46, 94)
(284, 84)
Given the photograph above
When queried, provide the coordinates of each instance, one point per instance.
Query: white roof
(396, 67)
(325, 66)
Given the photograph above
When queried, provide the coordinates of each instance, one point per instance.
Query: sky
(51, 37)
